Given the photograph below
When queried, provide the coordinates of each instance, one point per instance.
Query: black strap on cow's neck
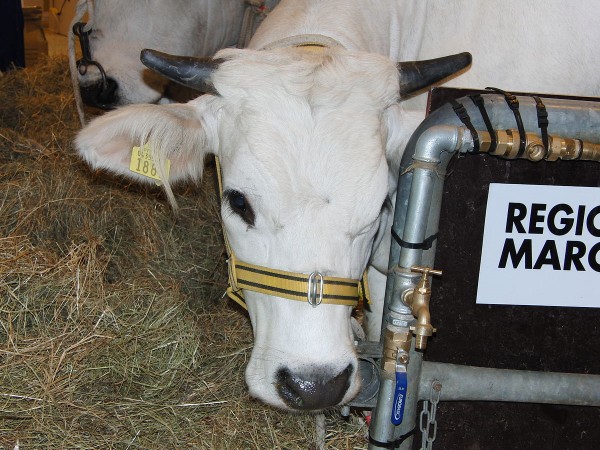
(477, 99)
(463, 115)
(513, 104)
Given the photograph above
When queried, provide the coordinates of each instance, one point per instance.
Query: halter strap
(314, 288)
(304, 40)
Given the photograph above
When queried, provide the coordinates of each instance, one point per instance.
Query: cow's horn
(416, 75)
(192, 72)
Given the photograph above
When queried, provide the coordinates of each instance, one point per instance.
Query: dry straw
(113, 333)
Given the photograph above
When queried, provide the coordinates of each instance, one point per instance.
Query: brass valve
(418, 300)
(395, 349)
(508, 143)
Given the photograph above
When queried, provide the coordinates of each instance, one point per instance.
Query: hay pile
(112, 331)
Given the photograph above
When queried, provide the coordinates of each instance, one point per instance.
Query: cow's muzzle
(315, 390)
(103, 92)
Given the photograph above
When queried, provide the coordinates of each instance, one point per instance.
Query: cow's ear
(172, 137)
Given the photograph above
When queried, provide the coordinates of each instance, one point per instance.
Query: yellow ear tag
(143, 164)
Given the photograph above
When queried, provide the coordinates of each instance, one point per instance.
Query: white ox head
(122, 28)
(302, 140)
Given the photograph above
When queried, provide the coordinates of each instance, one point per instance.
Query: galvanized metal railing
(404, 378)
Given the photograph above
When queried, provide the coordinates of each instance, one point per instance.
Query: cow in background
(309, 127)
(122, 28)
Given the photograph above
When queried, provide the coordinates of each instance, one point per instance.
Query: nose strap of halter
(313, 288)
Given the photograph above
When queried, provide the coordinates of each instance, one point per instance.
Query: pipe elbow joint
(435, 140)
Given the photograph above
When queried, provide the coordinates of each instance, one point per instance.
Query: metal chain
(427, 422)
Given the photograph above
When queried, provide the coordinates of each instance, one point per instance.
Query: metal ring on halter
(82, 63)
(314, 293)
(84, 42)
(86, 58)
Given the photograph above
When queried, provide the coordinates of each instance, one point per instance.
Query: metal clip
(314, 294)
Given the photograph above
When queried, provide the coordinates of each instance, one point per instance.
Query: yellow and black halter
(314, 288)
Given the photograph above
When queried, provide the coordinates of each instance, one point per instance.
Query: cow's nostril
(108, 93)
(100, 95)
(313, 390)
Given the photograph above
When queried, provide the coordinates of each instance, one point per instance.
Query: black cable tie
(463, 115)
(477, 99)
(513, 104)
(542, 115)
(374, 441)
(393, 444)
(425, 245)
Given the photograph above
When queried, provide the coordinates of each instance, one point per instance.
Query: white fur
(305, 136)
(122, 28)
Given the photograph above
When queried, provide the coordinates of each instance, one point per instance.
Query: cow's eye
(239, 204)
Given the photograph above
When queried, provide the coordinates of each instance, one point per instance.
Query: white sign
(541, 246)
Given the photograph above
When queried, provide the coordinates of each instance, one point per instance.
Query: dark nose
(100, 94)
(313, 390)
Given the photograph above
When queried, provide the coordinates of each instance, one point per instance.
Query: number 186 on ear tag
(143, 164)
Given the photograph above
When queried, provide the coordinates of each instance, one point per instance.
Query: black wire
(463, 115)
(393, 444)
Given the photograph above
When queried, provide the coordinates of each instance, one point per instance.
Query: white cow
(122, 28)
(310, 138)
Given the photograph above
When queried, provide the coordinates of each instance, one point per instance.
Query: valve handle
(426, 270)
(399, 394)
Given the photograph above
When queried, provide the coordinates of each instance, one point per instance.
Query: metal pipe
(567, 118)
(410, 408)
(521, 386)
(381, 428)
(418, 202)
(425, 182)
(418, 212)
(421, 215)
